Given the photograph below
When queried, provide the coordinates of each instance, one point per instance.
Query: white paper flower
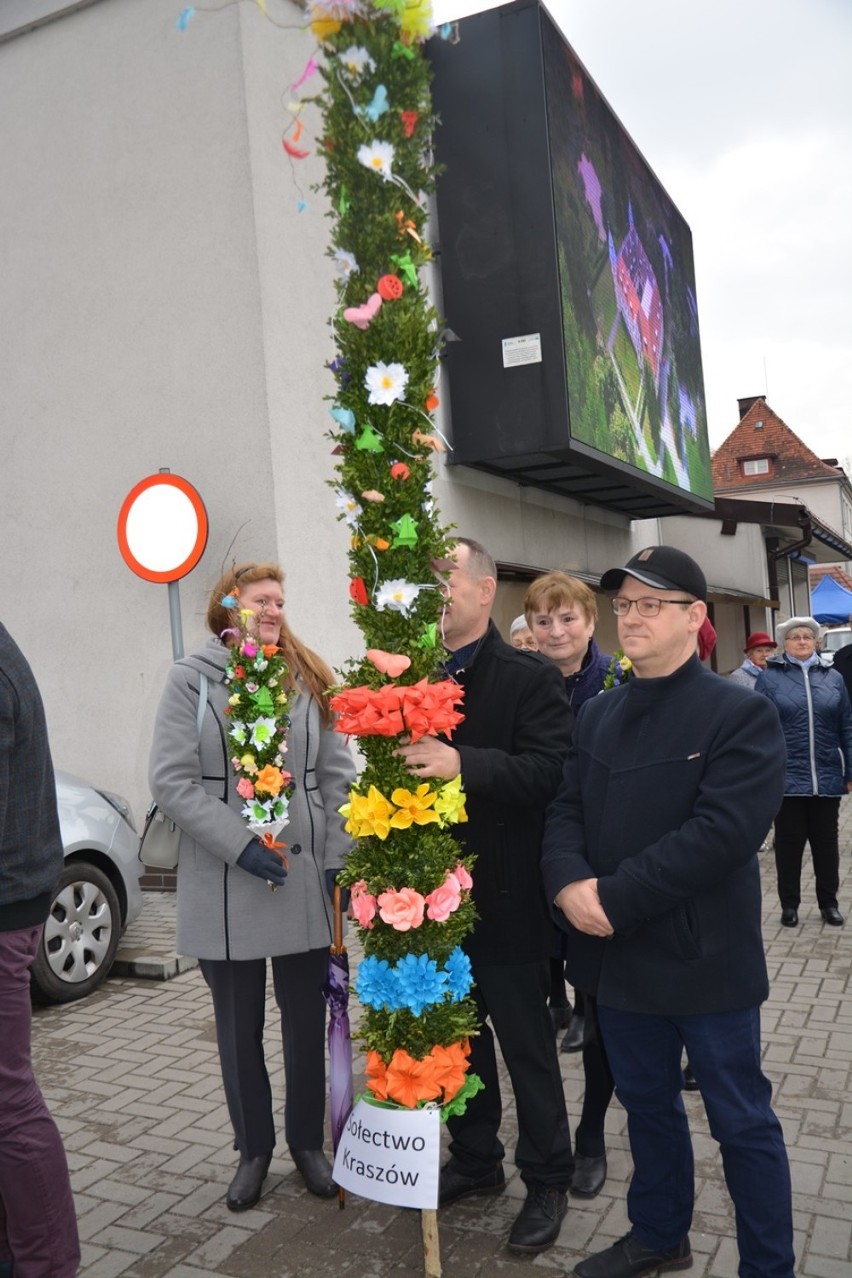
(345, 264)
(238, 732)
(385, 382)
(356, 61)
(262, 731)
(349, 508)
(377, 156)
(397, 596)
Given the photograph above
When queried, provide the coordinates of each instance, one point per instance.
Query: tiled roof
(818, 571)
(762, 433)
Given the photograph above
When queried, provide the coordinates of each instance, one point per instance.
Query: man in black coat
(509, 751)
(37, 1221)
(650, 858)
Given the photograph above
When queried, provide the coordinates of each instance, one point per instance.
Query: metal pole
(174, 619)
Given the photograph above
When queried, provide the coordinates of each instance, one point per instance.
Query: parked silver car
(98, 893)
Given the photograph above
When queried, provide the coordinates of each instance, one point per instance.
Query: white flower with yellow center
(397, 596)
(377, 156)
(386, 383)
(356, 61)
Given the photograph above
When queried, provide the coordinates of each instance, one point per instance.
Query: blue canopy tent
(831, 603)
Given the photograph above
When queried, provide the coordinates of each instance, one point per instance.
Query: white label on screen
(391, 1155)
(522, 350)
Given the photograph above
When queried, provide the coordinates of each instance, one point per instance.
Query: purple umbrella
(336, 994)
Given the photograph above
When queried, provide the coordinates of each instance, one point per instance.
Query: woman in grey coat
(227, 914)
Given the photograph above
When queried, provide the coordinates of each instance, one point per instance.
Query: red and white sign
(162, 528)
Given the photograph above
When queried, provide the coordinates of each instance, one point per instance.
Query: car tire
(80, 938)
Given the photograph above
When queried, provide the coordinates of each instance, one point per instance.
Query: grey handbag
(160, 842)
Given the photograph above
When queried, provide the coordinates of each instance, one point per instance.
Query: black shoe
(789, 917)
(537, 1227)
(689, 1083)
(560, 1014)
(315, 1170)
(244, 1189)
(589, 1176)
(453, 1186)
(628, 1258)
(832, 916)
(573, 1040)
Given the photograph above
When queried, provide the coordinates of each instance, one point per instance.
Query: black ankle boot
(244, 1189)
(315, 1170)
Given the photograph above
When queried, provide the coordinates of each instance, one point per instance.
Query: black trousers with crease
(807, 818)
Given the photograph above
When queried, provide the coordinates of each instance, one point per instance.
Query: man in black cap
(650, 859)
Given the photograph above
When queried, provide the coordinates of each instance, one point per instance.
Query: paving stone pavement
(132, 1077)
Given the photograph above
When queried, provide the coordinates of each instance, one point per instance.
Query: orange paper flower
(269, 779)
(410, 1081)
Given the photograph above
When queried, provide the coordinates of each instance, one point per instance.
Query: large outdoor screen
(567, 276)
(627, 287)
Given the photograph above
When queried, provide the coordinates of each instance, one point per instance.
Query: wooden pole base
(431, 1244)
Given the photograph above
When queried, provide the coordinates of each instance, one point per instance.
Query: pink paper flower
(249, 649)
(403, 910)
(245, 789)
(465, 881)
(363, 904)
(445, 900)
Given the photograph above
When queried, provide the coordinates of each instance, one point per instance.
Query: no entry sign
(162, 528)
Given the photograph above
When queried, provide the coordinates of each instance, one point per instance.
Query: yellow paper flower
(324, 25)
(450, 802)
(414, 808)
(367, 814)
(248, 764)
(416, 19)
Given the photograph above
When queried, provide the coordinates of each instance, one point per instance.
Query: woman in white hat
(816, 717)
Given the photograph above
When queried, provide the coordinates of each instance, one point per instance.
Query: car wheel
(81, 935)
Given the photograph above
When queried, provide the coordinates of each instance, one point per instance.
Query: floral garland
(256, 676)
(410, 891)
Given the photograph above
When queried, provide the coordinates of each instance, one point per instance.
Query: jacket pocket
(686, 932)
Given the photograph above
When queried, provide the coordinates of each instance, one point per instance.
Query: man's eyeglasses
(645, 607)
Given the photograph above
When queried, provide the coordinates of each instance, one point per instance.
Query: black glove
(263, 863)
(330, 880)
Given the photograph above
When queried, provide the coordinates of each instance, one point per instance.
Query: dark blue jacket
(588, 680)
(816, 717)
(666, 796)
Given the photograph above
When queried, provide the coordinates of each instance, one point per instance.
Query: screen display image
(627, 289)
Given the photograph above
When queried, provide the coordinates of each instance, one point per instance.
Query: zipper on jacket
(811, 742)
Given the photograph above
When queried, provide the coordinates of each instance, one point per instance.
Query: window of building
(760, 466)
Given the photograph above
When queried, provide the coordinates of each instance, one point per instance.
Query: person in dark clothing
(38, 1225)
(816, 718)
(509, 750)
(650, 860)
(562, 613)
(843, 666)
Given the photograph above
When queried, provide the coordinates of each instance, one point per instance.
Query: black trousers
(514, 999)
(599, 1084)
(239, 1004)
(806, 818)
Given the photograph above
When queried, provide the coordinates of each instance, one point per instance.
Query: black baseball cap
(664, 568)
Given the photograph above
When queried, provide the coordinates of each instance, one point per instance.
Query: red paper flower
(432, 402)
(390, 288)
(399, 470)
(358, 591)
(409, 122)
(421, 709)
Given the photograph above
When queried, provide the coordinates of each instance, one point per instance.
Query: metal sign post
(162, 533)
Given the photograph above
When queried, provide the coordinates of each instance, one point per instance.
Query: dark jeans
(724, 1052)
(37, 1221)
(807, 818)
(239, 1003)
(514, 999)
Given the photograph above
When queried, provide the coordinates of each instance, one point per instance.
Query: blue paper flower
(377, 985)
(459, 975)
(420, 982)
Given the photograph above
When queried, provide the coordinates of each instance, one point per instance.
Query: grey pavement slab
(132, 1077)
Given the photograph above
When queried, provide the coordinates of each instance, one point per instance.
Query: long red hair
(302, 661)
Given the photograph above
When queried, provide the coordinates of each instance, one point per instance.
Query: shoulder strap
(202, 703)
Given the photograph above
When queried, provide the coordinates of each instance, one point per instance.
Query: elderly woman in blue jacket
(816, 717)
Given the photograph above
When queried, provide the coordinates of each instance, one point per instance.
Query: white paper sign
(391, 1155)
(522, 350)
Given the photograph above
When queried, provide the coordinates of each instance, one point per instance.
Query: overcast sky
(743, 109)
